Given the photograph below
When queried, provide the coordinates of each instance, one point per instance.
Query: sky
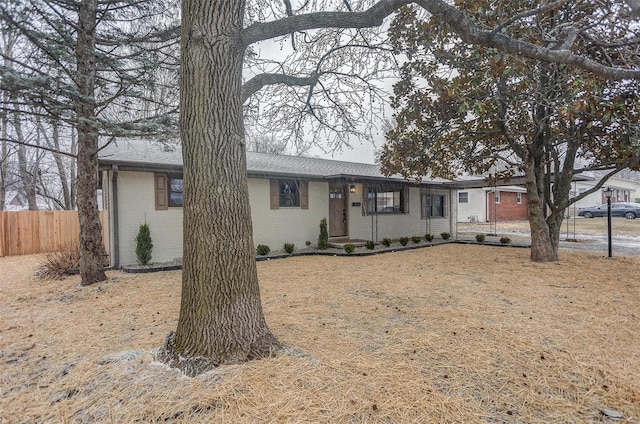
(363, 152)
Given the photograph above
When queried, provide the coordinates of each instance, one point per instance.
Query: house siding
(379, 226)
(444, 224)
(136, 205)
(275, 227)
(476, 207)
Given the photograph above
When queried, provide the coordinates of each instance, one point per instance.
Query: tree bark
(4, 153)
(543, 248)
(27, 177)
(62, 172)
(221, 318)
(91, 245)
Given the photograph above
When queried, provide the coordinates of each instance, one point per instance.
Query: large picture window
(383, 200)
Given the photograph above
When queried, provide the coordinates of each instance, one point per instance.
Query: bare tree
(221, 318)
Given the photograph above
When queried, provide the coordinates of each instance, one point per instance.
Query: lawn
(594, 226)
(452, 333)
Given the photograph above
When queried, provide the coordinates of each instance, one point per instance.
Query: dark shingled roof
(145, 155)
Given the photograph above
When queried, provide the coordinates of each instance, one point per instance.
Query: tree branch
(256, 83)
(468, 31)
(371, 17)
(36, 146)
(471, 33)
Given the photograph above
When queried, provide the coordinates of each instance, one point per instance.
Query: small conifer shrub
(445, 236)
(428, 237)
(386, 242)
(370, 245)
(480, 238)
(349, 248)
(144, 245)
(289, 247)
(404, 240)
(416, 239)
(505, 240)
(323, 238)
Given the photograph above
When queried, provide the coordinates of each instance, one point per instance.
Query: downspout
(114, 207)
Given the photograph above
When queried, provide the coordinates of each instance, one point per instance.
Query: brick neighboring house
(507, 204)
(489, 204)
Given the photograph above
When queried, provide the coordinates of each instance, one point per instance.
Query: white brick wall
(135, 204)
(272, 227)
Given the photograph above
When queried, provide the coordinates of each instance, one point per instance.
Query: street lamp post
(607, 193)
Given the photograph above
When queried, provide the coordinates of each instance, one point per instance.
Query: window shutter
(161, 192)
(423, 205)
(304, 195)
(275, 198)
(405, 195)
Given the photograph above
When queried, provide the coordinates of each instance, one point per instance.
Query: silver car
(628, 210)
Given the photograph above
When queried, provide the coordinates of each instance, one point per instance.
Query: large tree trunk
(91, 248)
(221, 318)
(544, 246)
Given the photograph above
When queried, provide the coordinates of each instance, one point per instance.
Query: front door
(337, 210)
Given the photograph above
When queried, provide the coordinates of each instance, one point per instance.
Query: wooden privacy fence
(27, 232)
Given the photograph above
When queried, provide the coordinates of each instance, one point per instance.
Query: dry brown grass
(593, 226)
(453, 333)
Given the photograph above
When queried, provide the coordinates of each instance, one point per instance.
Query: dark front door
(337, 210)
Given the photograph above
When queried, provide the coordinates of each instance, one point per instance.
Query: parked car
(628, 210)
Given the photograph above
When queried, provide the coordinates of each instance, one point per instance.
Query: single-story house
(492, 204)
(142, 182)
(624, 190)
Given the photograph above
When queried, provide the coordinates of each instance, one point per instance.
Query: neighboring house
(289, 195)
(14, 201)
(492, 204)
(624, 190)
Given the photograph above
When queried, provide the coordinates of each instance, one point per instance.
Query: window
(168, 191)
(382, 200)
(519, 198)
(175, 191)
(289, 194)
(497, 196)
(463, 197)
(434, 206)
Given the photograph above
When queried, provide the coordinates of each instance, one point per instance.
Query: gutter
(114, 208)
